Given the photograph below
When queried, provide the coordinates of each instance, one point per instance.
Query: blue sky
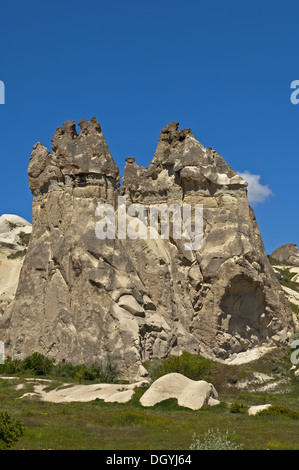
(222, 68)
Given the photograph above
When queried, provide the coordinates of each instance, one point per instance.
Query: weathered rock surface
(189, 393)
(14, 238)
(288, 253)
(13, 231)
(253, 410)
(80, 298)
(110, 393)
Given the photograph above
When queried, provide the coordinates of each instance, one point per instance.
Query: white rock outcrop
(253, 410)
(110, 393)
(14, 238)
(189, 393)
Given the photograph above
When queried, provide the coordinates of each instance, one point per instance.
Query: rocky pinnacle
(80, 298)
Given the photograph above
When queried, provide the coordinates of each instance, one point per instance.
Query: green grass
(285, 278)
(290, 284)
(166, 426)
(295, 308)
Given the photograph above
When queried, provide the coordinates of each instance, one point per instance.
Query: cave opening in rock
(242, 305)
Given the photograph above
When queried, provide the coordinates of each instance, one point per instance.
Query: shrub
(24, 238)
(10, 430)
(214, 440)
(278, 370)
(65, 369)
(38, 364)
(233, 379)
(11, 225)
(80, 372)
(193, 366)
(110, 368)
(237, 408)
(80, 375)
(17, 254)
(11, 366)
(95, 372)
(153, 368)
(278, 410)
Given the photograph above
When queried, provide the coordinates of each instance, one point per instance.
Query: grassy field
(111, 426)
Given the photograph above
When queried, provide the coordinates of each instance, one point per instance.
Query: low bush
(11, 366)
(278, 410)
(233, 379)
(214, 440)
(38, 364)
(110, 368)
(24, 238)
(193, 366)
(237, 408)
(65, 370)
(90, 373)
(17, 254)
(10, 430)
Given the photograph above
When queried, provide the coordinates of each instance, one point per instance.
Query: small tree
(110, 368)
(10, 430)
(38, 364)
(236, 407)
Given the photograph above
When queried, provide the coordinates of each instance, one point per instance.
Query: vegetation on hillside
(10, 430)
(130, 426)
(39, 365)
(17, 254)
(24, 238)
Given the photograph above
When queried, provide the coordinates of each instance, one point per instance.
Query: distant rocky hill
(288, 275)
(80, 298)
(14, 239)
(288, 253)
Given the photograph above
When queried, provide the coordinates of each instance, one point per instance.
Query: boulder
(189, 393)
(253, 410)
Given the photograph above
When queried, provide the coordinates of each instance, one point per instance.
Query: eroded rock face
(80, 298)
(288, 253)
(14, 238)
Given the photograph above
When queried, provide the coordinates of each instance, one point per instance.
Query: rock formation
(14, 233)
(80, 298)
(14, 238)
(192, 394)
(288, 253)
